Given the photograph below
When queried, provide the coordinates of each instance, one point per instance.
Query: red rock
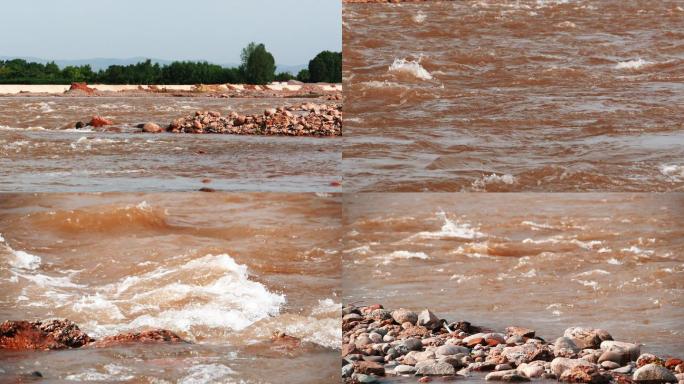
(41, 335)
(369, 368)
(520, 331)
(151, 128)
(81, 87)
(146, 337)
(584, 374)
(671, 363)
(349, 349)
(475, 341)
(99, 121)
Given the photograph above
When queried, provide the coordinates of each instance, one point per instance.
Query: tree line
(257, 67)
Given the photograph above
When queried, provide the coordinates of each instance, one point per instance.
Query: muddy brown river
(514, 96)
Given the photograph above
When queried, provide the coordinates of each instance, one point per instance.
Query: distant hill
(102, 63)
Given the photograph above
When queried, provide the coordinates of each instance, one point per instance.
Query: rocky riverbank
(379, 342)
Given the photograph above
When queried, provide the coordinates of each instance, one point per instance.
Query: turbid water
(514, 96)
(40, 151)
(544, 261)
(224, 271)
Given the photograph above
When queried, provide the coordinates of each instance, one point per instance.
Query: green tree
(326, 67)
(284, 76)
(258, 65)
(304, 76)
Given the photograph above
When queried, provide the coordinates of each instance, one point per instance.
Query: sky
(294, 31)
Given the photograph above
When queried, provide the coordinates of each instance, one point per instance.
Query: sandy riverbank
(283, 89)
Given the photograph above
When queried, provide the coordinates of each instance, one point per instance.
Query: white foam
(216, 291)
(637, 251)
(673, 172)
(588, 245)
(112, 372)
(593, 272)
(588, 283)
(206, 373)
(461, 278)
(98, 305)
(451, 229)
(410, 67)
(20, 259)
(632, 64)
(327, 306)
(24, 260)
(419, 17)
(387, 259)
(536, 226)
(493, 178)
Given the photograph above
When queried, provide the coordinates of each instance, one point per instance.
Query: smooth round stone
(404, 369)
(610, 365)
(375, 337)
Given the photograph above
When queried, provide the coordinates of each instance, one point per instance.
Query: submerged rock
(146, 337)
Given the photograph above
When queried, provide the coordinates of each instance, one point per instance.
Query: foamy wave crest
(209, 293)
(20, 259)
(84, 143)
(482, 182)
(673, 172)
(387, 259)
(419, 17)
(410, 67)
(632, 64)
(451, 229)
(321, 326)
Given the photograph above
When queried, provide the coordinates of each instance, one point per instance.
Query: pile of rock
(81, 88)
(305, 120)
(380, 342)
(65, 334)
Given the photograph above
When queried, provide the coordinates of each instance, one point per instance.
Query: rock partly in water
(152, 128)
(41, 335)
(146, 337)
(99, 121)
(654, 373)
